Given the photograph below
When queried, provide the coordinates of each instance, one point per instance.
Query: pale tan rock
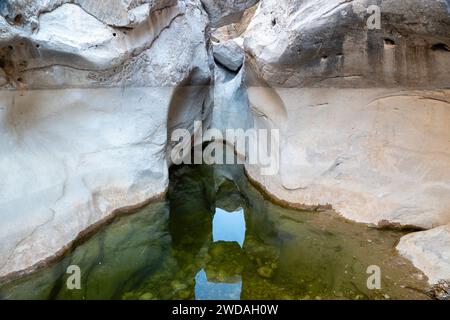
(63, 53)
(123, 13)
(91, 137)
(225, 12)
(229, 54)
(429, 251)
(326, 43)
(379, 156)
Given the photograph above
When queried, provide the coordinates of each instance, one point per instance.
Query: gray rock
(229, 54)
(356, 111)
(224, 12)
(74, 49)
(429, 251)
(117, 13)
(91, 138)
(124, 13)
(326, 43)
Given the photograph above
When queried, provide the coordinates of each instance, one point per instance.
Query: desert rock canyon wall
(89, 94)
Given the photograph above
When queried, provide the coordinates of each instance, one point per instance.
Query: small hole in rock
(10, 47)
(18, 19)
(274, 22)
(19, 80)
(114, 34)
(440, 47)
(389, 42)
(37, 46)
(324, 57)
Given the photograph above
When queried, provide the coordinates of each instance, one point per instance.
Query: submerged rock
(441, 290)
(265, 272)
(226, 264)
(146, 296)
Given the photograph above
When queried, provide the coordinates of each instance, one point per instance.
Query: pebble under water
(216, 237)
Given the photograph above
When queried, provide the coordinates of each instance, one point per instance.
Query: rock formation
(229, 54)
(225, 12)
(89, 94)
(363, 113)
(85, 112)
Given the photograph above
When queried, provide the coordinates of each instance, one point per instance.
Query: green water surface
(216, 237)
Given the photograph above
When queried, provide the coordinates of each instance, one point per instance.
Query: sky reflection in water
(228, 227)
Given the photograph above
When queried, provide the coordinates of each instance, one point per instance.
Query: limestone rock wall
(428, 250)
(225, 12)
(91, 90)
(378, 156)
(363, 114)
(324, 43)
(90, 94)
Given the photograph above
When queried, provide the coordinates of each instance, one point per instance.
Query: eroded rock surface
(90, 92)
(429, 251)
(67, 53)
(229, 54)
(91, 137)
(359, 110)
(370, 153)
(325, 43)
(224, 12)
(117, 13)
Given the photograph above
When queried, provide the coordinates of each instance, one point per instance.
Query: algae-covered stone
(184, 294)
(177, 285)
(146, 296)
(226, 264)
(265, 272)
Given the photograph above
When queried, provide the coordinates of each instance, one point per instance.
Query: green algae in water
(217, 237)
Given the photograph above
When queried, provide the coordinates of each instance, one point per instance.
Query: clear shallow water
(216, 237)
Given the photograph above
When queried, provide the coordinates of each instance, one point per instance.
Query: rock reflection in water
(221, 279)
(217, 237)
